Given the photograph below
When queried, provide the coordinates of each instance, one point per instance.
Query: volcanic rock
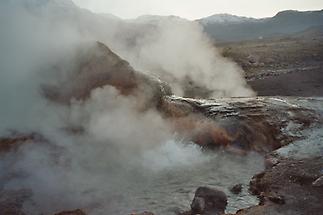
(208, 201)
(287, 188)
(242, 124)
(236, 189)
(97, 66)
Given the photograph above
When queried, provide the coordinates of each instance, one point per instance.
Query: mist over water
(124, 159)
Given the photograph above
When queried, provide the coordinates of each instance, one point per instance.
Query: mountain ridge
(219, 27)
(225, 18)
(284, 23)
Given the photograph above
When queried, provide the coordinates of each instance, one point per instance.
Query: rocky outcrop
(288, 187)
(97, 66)
(260, 124)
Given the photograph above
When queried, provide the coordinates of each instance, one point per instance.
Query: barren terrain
(286, 66)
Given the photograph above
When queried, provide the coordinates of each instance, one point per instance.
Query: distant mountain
(226, 18)
(221, 27)
(225, 28)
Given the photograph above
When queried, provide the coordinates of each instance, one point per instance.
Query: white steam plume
(119, 145)
(178, 51)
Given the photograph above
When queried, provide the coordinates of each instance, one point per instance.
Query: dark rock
(277, 199)
(75, 212)
(236, 189)
(208, 201)
(198, 205)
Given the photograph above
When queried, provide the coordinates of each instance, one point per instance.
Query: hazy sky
(193, 9)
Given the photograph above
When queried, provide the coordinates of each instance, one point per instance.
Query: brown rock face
(240, 124)
(97, 66)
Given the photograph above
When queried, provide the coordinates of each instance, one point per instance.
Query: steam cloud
(177, 50)
(38, 43)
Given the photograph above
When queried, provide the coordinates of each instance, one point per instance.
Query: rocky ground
(292, 181)
(291, 184)
(283, 66)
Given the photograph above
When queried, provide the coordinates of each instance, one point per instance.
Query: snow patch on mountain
(226, 18)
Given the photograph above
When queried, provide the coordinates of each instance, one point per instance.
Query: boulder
(236, 189)
(208, 201)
